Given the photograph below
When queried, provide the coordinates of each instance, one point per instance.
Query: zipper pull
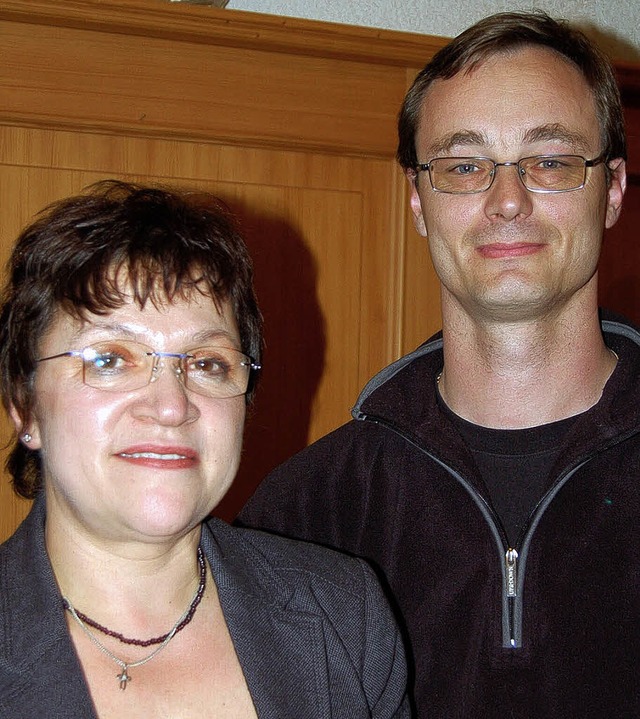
(512, 577)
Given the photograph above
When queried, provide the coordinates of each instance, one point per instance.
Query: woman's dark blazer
(314, 636)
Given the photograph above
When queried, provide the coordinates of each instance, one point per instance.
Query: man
(492, 475)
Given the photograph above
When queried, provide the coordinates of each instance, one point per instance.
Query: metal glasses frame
(426, 167)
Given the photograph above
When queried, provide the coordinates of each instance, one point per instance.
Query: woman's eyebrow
(124, 332)
(89, 328)
(214, 334)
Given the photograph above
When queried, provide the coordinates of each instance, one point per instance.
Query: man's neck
(523, 374)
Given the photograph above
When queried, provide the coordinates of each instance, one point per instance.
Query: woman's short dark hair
(90, 253)
(502, 33)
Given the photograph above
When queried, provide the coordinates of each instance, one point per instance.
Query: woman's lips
(160, 457)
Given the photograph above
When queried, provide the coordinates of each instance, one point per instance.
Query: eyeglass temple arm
(70, 353)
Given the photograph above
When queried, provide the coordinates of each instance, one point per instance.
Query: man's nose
(507, 197)
(519, 172)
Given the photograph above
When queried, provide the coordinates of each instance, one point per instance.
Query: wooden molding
(152, 68)
(233, 28)
(133, 66)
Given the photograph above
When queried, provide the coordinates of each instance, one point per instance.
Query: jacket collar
(403, 396)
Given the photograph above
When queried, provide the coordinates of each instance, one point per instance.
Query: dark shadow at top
(610, 42)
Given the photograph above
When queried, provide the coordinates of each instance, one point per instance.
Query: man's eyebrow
(557, 132)
(460, 138)
(467, 138)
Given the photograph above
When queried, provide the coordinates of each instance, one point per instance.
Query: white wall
(614, 23)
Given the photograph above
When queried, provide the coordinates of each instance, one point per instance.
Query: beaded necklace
(85, 622)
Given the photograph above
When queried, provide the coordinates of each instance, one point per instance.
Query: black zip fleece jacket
(548, 628)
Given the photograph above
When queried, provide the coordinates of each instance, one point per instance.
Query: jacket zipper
(511, 573)
(513, 560)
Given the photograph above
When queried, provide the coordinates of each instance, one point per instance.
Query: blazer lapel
(40, 674)
(282, 657)
(281, 650)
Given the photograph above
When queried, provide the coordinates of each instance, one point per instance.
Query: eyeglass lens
(544, 173)
(122, 365)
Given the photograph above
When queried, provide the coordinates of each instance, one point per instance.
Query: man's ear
(615, 191)
(28, 431)
(416, 204)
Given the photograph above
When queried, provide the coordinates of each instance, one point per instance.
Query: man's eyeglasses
(122, 366)
(539, 173)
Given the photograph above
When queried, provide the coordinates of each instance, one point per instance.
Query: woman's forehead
(195, 317)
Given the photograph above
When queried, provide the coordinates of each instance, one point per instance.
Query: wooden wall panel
(314, 229)
(292, 123)
(152, 69)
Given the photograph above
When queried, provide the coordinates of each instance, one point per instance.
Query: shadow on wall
(293, 358)
(619, 273)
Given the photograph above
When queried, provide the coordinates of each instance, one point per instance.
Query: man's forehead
(532, 95)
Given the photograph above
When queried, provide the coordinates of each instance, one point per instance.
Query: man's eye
(467, 168)
(550, 164)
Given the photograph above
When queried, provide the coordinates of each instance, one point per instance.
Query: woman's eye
(111, 357)
(210, 366)
(108, 362)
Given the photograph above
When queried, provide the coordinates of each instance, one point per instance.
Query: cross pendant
(124, 677)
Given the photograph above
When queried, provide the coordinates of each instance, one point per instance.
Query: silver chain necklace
(124, 677)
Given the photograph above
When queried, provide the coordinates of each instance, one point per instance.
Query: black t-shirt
(515, 465)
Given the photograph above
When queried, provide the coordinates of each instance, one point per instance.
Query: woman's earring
(26, 437)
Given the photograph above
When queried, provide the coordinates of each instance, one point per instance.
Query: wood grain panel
(313, 223)
(292, 122)
(151, 85)
(228, 28)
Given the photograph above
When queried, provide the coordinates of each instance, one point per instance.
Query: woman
(129, 342)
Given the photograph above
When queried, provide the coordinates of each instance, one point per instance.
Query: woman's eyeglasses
(122, 366)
